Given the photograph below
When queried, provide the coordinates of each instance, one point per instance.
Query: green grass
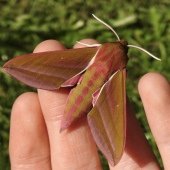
(23, 24)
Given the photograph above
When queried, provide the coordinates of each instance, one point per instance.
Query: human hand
(36, 144)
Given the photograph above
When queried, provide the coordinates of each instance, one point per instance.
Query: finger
(29, 145)
(155, 94)
(70, 149)
(137, 154)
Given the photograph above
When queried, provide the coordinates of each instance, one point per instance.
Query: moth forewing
(107, 119)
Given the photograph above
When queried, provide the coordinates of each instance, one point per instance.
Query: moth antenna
(147, 52)
(88, 45)
(107, 25)
(133, 46)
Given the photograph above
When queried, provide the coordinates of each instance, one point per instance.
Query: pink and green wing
(51, 70)
(107, 119)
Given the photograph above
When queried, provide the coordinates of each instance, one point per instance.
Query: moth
(97, 76)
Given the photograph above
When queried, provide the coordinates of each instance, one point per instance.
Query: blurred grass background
(25, 23)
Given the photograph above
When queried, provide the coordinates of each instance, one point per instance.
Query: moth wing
(51, 70)
(107, 118)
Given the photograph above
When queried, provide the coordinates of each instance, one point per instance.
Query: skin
(36, 144)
